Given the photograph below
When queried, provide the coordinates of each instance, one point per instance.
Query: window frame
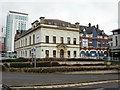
(47, 39)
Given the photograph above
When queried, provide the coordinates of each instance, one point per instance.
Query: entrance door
(61, 53)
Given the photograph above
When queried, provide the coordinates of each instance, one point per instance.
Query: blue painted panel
(105, 43)
(94, 43)
(95, 34)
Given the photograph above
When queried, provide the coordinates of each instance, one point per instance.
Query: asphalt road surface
(105, 86)
(30, 79)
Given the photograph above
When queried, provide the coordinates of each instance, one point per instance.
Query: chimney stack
(89, 24)
(97, 26)
(42, 20)
(77, 24)
(34, 24)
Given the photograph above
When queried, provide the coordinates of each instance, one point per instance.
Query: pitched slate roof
(116, 30)
(59, 23)
(89, 30)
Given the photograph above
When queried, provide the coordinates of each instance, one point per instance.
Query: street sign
(33, 50)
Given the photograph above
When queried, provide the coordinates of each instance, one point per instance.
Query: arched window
(84, 32)
(82, 53)
(54, 53)
(68, 53)
(47, 53)
(74, 53)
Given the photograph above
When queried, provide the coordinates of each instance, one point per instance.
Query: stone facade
(59, 39)
(50, 38)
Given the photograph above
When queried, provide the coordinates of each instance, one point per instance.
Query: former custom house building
(51, 38)
(55, 38)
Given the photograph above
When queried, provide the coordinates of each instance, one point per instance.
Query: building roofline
(18, 12)
(115, 30)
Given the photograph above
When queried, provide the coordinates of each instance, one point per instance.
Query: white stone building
(51, 38)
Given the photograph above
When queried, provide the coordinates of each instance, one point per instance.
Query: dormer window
(103, 34)
(84, 32)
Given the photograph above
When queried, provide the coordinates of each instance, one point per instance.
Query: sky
(101, 12)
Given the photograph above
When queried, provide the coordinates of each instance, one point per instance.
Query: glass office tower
(15, 21)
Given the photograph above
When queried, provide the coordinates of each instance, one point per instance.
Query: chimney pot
(42, 19)
(97, 26)
(89, 24)
(77, 24)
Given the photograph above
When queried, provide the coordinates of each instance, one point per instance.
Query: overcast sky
(102, 12)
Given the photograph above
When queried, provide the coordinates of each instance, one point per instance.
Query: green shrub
(115, 62)
(6, 65)
(21, 59)
(43, 64)
(46, 64)
(20, 65)
(55, 64)
(60, 69)
(4, 68)
(83, 59)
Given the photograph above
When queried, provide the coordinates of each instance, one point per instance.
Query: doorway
(61, 53)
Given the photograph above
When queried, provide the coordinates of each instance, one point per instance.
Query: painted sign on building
(37, 38)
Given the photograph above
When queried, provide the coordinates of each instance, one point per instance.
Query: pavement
(95, 72)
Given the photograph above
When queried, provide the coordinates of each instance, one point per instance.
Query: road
(105, 86)
(28, 79)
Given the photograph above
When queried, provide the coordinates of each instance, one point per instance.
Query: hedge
(59, 69)
(15, 60)
(46, 64)
(115, 62)
(38, 64)
(20, 65)
(66, 59)
(21, 59)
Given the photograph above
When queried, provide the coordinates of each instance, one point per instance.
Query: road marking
(99, 89)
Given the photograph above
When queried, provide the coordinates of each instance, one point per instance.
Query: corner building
(93, 42)
(50, 38)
